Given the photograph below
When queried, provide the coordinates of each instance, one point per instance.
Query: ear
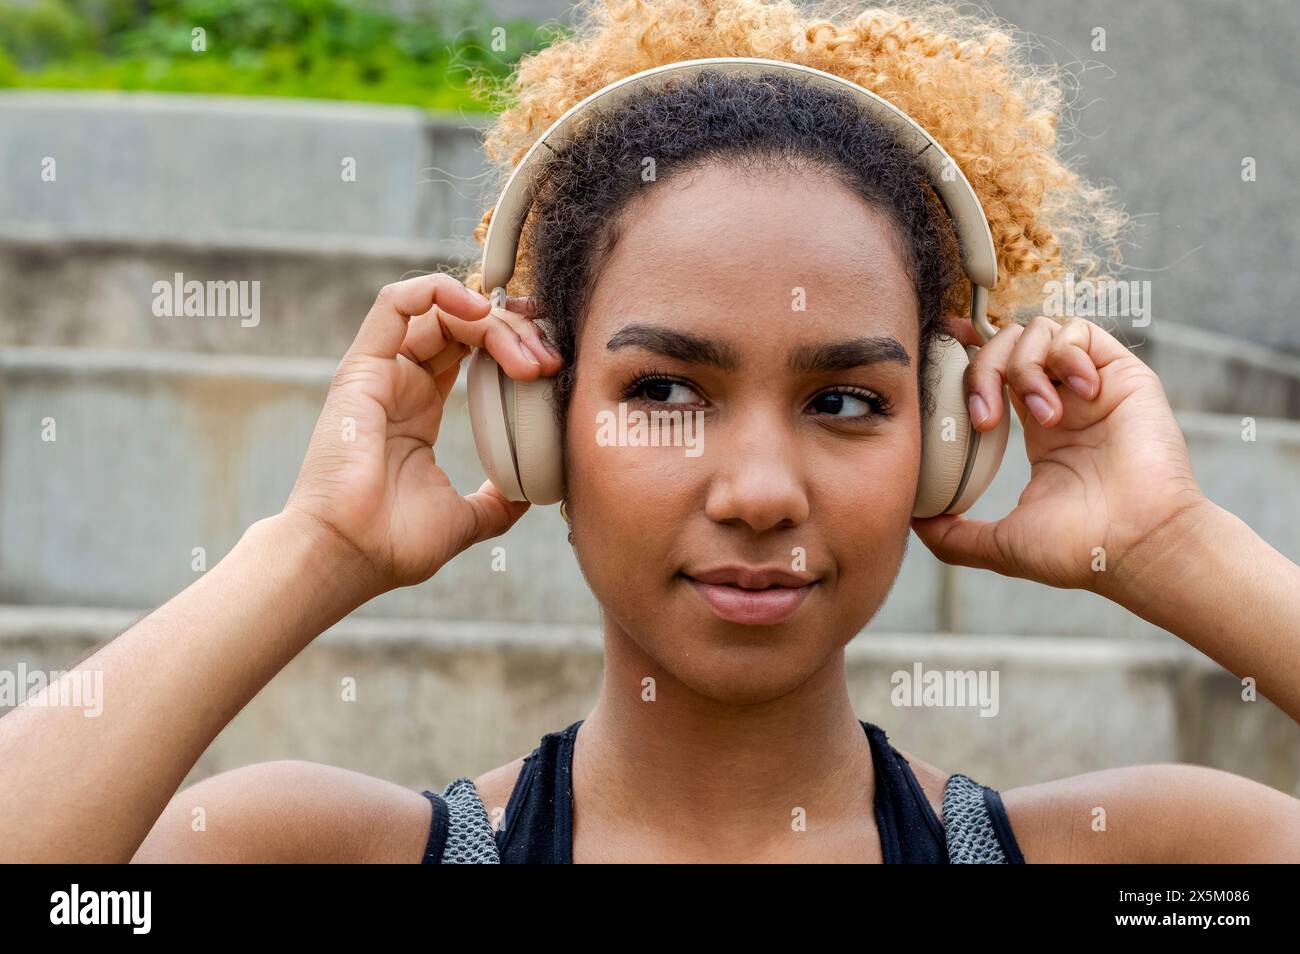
(962, 330)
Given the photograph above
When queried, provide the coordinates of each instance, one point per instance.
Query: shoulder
(1170, 813)
(290, 812)
(1167, 813)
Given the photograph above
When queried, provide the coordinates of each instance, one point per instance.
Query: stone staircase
(174, 434)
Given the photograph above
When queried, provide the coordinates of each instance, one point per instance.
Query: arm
(291, 812)
(1211, 580)
(1110, 476)
(90, 788)
(1111, 479)
(1155, 814)
(370, 511)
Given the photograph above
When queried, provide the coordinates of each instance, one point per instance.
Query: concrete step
(440, 698)
(1222, 374)
(176, 166)
(104, 194)
(159, 454)
(69, 289)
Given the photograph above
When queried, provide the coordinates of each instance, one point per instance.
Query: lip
(751, 577)
(751, 596)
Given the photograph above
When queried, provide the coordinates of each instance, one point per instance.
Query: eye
(850, 404)
(659, 388)
(845, 404)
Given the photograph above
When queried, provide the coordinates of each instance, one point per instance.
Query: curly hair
(967, 78)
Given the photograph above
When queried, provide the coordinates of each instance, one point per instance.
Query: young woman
(675, 293)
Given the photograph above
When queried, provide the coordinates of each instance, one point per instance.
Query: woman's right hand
(370, 476)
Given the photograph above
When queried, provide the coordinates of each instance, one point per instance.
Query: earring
(564, 512)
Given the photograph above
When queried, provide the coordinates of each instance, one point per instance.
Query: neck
(720, 780)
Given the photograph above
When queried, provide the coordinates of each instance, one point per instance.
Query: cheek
(865, 500)
(631, 500)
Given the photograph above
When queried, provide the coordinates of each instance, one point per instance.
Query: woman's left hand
(1109, 466)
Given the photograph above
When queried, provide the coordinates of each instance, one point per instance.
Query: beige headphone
(515, 432)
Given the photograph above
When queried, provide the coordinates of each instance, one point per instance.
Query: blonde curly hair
(966, 77)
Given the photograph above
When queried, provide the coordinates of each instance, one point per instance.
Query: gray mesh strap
(469, 833)
(968, 826)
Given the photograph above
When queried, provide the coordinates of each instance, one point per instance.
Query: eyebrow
(806, 359)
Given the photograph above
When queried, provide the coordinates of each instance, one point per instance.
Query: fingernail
(480, 296)
(1081, 385)
(1039, 407)
(532, 359)
(550, 348)
(978, 409)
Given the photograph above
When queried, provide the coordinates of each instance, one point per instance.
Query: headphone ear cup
(515, 433)
(540, 462)
(956, 471)
(985, 459)
(945, 430)
(493, 440)
(537, 441)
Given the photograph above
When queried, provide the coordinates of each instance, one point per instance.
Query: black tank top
(538, 823)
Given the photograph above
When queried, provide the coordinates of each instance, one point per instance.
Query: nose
(759, 480)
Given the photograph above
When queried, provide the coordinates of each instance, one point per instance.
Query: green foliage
(437, 55)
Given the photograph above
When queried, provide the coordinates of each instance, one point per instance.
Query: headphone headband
(979, 257)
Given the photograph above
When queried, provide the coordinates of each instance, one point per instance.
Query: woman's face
(778, 307)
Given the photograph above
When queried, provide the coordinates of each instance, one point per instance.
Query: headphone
(515, 432)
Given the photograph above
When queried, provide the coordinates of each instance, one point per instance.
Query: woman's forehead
(747, 215)
(777, 245)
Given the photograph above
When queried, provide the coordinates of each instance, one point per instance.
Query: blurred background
(323, 148)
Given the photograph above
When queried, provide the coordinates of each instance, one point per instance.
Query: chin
(743, 677)
(736, 664)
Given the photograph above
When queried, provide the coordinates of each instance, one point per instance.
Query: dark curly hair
(753, 124)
